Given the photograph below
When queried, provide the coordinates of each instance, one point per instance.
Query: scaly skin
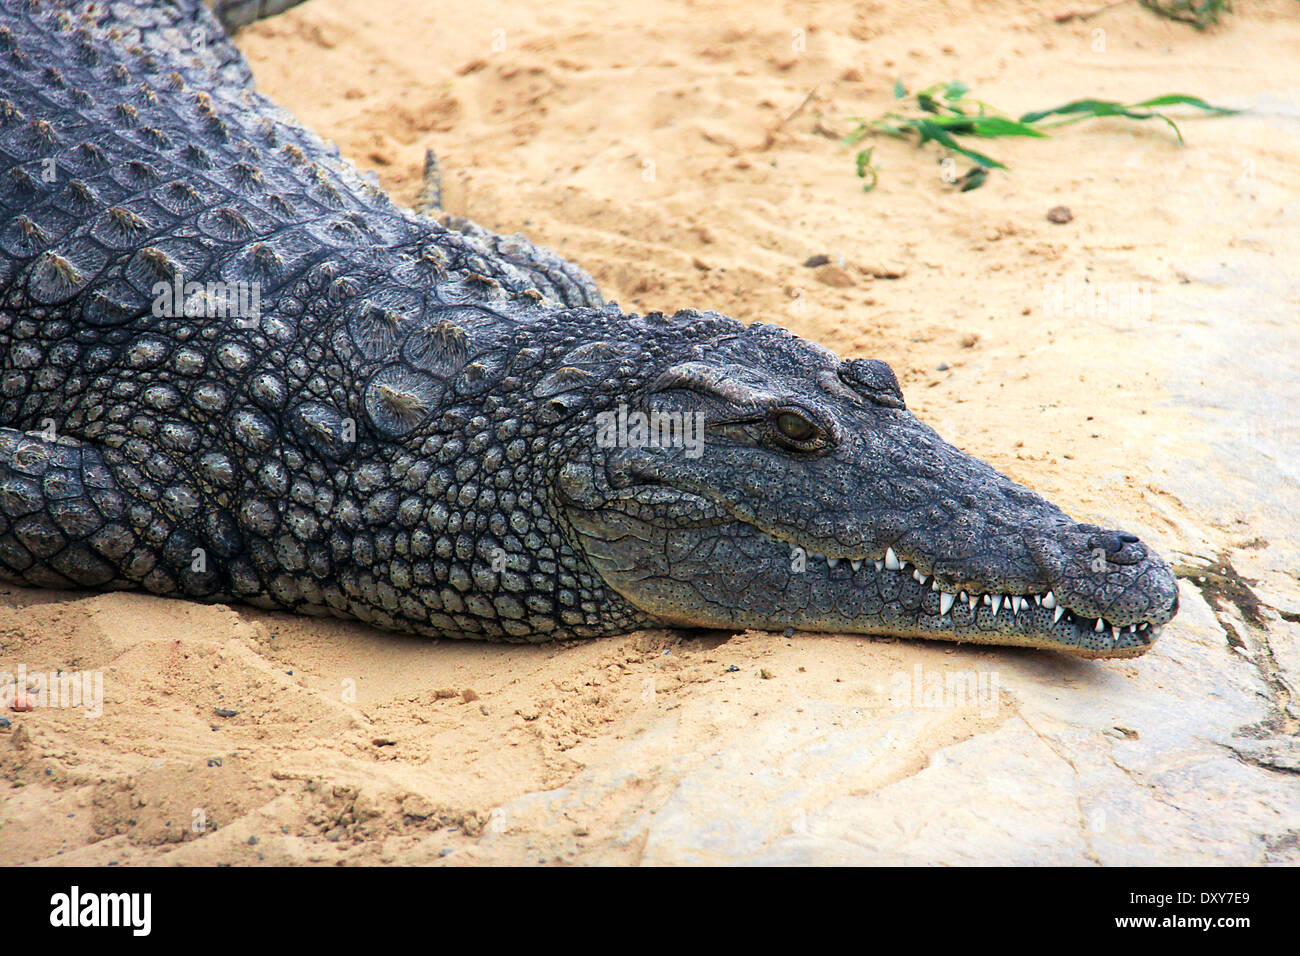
(413, 430)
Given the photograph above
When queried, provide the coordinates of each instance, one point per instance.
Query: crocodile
(235, 371)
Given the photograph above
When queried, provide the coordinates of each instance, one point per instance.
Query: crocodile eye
(795, 427)
(796, 431)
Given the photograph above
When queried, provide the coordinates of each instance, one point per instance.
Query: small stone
(833, 276)
(252, 841)
(1059, 214)
(223, 712)
(766, 674)
(469, 695)
(812, 262)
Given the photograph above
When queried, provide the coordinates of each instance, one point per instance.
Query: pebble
(834, 276)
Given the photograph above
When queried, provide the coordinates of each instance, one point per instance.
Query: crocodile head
(764, 482)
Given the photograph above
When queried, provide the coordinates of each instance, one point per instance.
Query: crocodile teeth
(1058, 614)
(974, 602)
(962, 597)
(1132, 628)
(1018, 604)
(988, 601)
(880, 565)
(934, 585)
(920, 578)
(1114, 633)
(857, 565)
(997, 605)
(1038, 599)
(945, 603)
(891, 560)
(1049, 600)
(1099, 628)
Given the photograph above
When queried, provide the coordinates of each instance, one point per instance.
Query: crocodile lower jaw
(1027, 619)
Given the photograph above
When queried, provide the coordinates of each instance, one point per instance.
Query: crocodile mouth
(932, 609)
(695, 562)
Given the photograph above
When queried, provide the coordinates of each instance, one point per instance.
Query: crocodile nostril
(1119, 547)
(1108, 541)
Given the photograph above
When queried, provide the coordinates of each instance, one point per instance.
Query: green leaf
(1087, 107)
(866, 170)
(1090, 107)
(1176, 99)
(899, 90)
(929, 130)
(990, 126)
(853, 138)
(961, 125)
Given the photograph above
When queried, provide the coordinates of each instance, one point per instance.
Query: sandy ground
(687, 154)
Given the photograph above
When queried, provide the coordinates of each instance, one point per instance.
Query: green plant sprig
(946, 112)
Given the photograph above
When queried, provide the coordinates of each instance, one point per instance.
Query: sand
(687, 154)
